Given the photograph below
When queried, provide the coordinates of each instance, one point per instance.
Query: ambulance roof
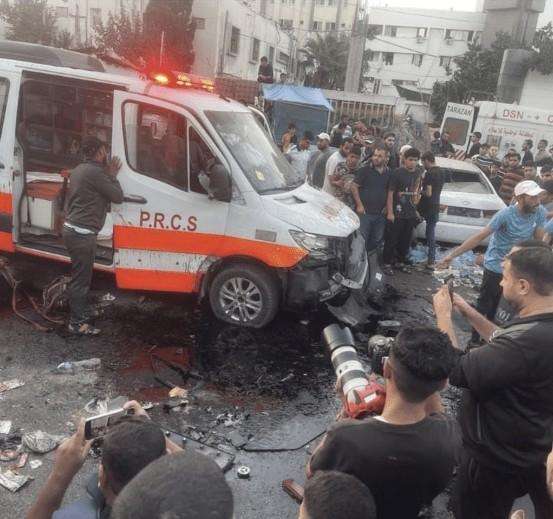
(198, 99)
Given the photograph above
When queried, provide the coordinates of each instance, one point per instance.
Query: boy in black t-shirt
(403, 197)
(429, 206)
(406, 456)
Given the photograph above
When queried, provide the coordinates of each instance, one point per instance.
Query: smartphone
(98, 425)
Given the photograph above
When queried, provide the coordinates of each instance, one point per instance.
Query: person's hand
(550, 474)
(360, 209)
(444, 263)
(114, 165)
(391, 217)
(460, 304)
(137, 408)
(443, 306)
(518, 514)
(71, 455)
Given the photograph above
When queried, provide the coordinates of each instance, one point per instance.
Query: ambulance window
(457, 129)
(201, 160)
(155, 143)
(4, 89)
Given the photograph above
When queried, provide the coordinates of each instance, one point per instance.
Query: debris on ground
(178, 392)
(5, 426)
(73, 367)
(243, 472)
(97, 406)
(41, 442)
(8, 385)
(21, 462)
(236, 439)
(35, 464)
(13, 481)
(10, 446)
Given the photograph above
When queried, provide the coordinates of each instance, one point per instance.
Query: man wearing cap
(93, 186)
(317, 161)
(522, 221)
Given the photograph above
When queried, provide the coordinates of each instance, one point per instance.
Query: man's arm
(359, 207)
(390, 206)
(550, 474)
(108, 185)
(467, 245)
(480, 323)
(70, 457)
(443, 308)
(539, 233)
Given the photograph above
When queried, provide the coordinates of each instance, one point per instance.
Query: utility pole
(356, 50)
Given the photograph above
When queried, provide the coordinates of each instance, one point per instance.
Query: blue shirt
(549, 227)
(510, 227)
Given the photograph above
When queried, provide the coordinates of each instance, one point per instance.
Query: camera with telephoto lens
(362, 395)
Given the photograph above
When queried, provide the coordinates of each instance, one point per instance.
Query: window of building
(331, 3)
(271, 54)
(234, 40)
(200, 23)
(317, 26)
(256, 45)
(301, 22)
(397, 82)
(373, 56)
(283, 58)
(330, 26)
(62, 12)
(390, 30)
(388, 58)
(95, 15)
(422, 32)
(292, 2)
(285, 23)
(445, 61)
(451, 34)
(321, 2)
(375, 30)
(416, 60)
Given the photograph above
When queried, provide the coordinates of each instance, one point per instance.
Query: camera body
(362, 395)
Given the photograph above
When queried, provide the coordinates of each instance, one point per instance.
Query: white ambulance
(252, 245)
(503, 125)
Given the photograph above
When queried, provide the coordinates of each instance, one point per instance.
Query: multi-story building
(233, 35)
(415, 48)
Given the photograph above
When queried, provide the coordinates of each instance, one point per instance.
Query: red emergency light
(174, 79)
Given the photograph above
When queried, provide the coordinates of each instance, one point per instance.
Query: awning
(295, 94)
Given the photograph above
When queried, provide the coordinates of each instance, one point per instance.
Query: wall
(212, 44)
(537, 91)
(434, 48)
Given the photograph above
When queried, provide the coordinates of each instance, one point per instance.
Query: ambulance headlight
(317, 246)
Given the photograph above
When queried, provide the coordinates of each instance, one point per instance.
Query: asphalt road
(273, 388)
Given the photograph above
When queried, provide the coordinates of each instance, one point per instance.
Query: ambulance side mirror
(220, 183)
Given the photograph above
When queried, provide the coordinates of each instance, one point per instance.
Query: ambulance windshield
(262, 162)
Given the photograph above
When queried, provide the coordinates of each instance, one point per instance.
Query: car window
(458, 181)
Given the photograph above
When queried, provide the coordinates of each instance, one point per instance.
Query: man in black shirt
(265, 72)
(370, 191)
(446, 148)
(403, 197)
(389, 141)
(527, 155)
(475, 148)
(406, 456)
(429, 206)
(507, 408)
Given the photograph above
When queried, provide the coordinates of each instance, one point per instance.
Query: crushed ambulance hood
(312, 211)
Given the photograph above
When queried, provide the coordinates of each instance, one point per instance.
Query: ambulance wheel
(245, 295)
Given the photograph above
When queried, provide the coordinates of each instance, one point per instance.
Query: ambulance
(503, 125)
(209, 209)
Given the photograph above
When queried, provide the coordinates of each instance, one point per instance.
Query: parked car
(467, 204)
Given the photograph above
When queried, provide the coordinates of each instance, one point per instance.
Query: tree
(329, 57)
(542, 60)
(140, 40)
(475, 76)
(30, 21)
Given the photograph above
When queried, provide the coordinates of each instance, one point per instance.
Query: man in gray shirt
(93, 186)
(316, 166)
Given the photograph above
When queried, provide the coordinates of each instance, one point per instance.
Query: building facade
(415, 48)
(232, 36)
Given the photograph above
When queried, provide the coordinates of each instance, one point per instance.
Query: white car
(467, 204)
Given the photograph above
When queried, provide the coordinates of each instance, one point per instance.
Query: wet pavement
(262, 396)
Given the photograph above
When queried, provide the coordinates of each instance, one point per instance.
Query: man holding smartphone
(127, 448)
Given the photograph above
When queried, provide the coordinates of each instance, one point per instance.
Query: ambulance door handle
(135, 199)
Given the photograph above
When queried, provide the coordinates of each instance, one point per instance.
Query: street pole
(162, 49)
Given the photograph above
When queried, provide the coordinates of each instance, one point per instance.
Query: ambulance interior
(55, 114)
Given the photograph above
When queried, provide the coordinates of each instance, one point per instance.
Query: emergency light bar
(181, 79)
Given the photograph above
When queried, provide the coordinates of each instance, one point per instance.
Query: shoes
(388, 270)
(83, 329)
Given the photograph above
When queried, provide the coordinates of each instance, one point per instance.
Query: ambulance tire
(267, 294)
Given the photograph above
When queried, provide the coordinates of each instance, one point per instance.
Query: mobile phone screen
(96, 426)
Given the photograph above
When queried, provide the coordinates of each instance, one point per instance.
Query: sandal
(83, 329)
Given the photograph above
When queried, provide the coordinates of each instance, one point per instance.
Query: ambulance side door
(11, 161)
(168, 226)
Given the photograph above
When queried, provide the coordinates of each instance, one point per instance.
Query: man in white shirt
(337, 158)
(298, 156)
